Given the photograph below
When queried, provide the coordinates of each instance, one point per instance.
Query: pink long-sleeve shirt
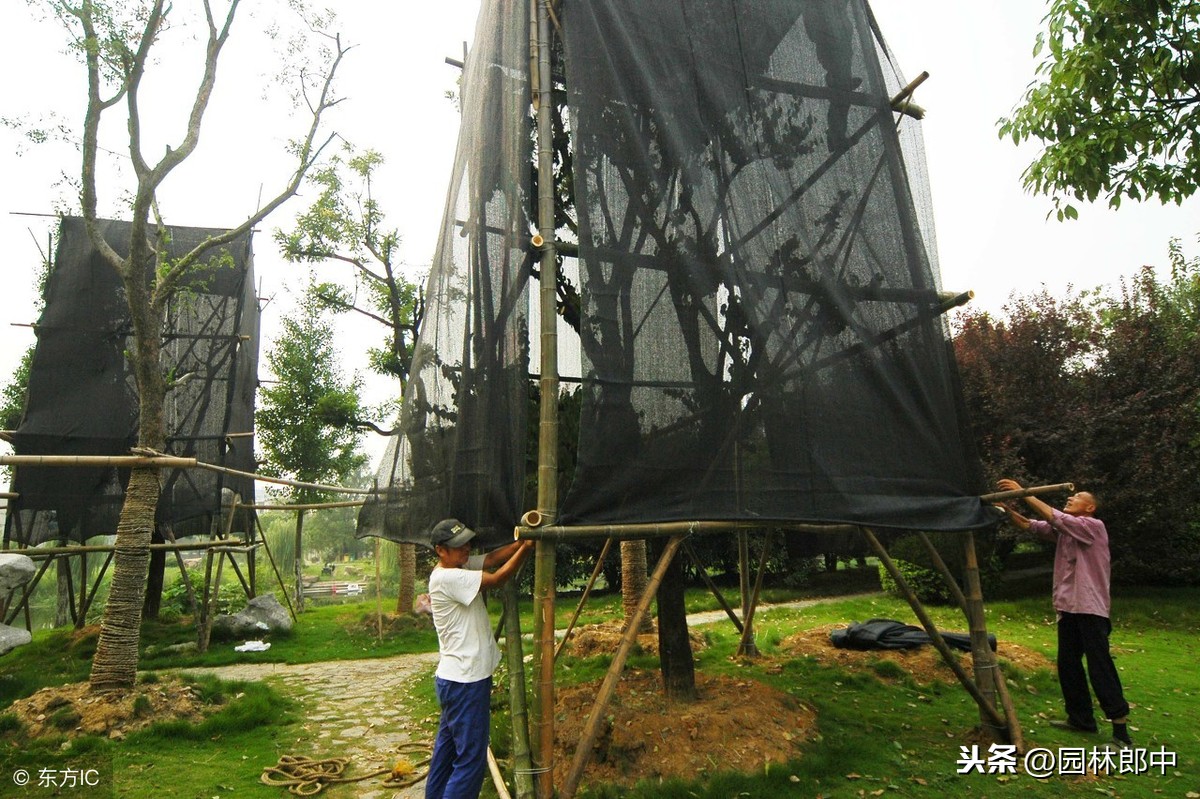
(1081, 562)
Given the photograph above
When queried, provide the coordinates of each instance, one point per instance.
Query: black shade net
(459, 450)
(82, 399)
(762, 333)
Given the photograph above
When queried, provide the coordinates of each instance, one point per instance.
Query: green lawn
(878, 736)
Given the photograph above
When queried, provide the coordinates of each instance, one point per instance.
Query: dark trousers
(460, 749)
(1080, 636)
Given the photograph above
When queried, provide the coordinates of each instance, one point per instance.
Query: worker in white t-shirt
(468, 656)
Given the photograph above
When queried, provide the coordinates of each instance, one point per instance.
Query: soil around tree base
(644, 736)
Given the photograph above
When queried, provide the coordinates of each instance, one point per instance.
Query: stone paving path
(351, 708)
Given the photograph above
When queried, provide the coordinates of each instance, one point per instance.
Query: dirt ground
(727, 729)
(598, 639)
(645, 737)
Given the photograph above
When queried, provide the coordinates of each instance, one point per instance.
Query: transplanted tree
(301, 418)
(1116, 102)
(117, 43)
(345, 224)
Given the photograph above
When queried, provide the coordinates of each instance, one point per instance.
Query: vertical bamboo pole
(513, 649)
(981, 652)
(547, 494)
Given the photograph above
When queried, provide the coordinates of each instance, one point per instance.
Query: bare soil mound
(73, 710)
(736, 725)
(601, 639)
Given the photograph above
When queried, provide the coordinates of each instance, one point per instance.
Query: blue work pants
(460, 750)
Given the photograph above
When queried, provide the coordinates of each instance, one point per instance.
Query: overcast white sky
(993, 237)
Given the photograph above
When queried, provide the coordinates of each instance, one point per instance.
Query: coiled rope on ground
(306, 776)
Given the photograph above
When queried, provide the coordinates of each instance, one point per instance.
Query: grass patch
(880, 734)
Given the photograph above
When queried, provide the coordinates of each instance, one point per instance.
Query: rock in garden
(12, 637)
(15, 571)
(263, 615)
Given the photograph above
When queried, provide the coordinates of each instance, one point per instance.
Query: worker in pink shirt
(1082, 603)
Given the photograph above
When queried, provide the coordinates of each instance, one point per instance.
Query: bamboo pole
(947, 576)
(278, 577)
(497, 777)
(583, 752)
(587, 590)
(691, 553)
(984, 659)
(1015, 734)
(49, 552)
(1000, 496)
(167, 462)
(519, 708)
(621, 532)
(748, 646)
(91, 597)
(547, 469)
(28, 592)
(935, 636)
(350, 503)
(119, 461)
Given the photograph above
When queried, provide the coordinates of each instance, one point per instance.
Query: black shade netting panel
(82, 397)
(459, 449)
(763, 336)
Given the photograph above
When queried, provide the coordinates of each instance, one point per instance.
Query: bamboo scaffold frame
(1003, 721)
(224, 547)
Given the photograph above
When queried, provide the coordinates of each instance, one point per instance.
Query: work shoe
(1068, 724)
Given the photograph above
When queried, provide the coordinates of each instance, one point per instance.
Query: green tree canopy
(1116, 102)
(302, 417)
(345, 224)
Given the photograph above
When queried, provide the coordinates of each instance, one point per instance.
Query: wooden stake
(591, 729)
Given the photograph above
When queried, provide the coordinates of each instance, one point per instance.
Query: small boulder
(263, 615)
(12, 637)
(15, 571)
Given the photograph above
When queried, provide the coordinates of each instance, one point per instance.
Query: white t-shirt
(468, 650)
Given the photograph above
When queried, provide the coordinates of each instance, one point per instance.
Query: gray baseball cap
(450, 533)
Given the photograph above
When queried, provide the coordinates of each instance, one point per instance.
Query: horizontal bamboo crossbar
(560, 532)
(119, 461)
(1000, 496)
(620, 532)
(166, 462)
(37, 553)
(350, 503)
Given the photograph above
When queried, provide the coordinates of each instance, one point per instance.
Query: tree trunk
(63, 612)
(114, 666)
(154, 582)
(674, 645)
(633, 580)
(408, 578)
